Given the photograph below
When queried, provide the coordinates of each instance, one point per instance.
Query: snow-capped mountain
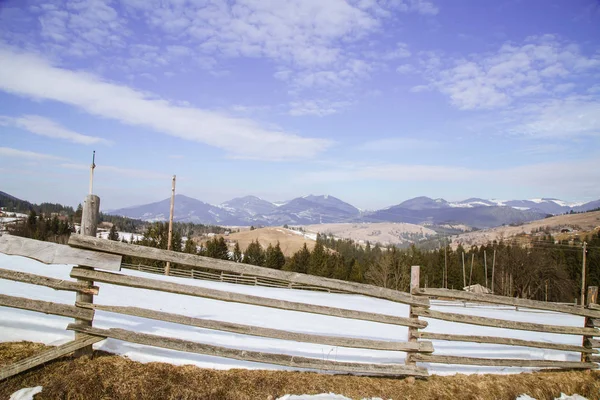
(251, 210)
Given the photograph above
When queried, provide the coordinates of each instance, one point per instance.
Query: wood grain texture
(46, 307)
(254, 356)
(52, 253)
(491, 362)
(170, 287)
(56, 284)
(114, 247)
(265, 332)
(510, 301)
(48, 355)
(506, 341)
(501, 323)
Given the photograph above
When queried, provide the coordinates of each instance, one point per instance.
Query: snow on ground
(25, 393)
(16, 325)
(122, 235)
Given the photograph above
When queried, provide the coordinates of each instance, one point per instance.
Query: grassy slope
(107, 376)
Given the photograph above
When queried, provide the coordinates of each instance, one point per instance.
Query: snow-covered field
(16, 325)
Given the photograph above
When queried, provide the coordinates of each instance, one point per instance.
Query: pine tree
(113, 234)
(237, 253)
(274, 257)
(254, 254)
(317, 264)
(190, 247)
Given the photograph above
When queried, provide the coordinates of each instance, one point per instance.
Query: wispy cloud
(30, 76)
(318, 108)
(46, 127)
(24, 154)
(399, 144)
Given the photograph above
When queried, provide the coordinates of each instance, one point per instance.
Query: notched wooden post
(89, 226)
(592, 298)
(415, 276)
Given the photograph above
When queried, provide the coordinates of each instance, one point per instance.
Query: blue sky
(372, 101)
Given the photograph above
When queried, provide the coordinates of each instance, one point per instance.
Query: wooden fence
(193, 273)
(98, 259)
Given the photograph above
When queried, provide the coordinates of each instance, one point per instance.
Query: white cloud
(121, 172)
(420, 88)
(30, 76)
(46, 127)
(405, 69)
(29, 155)
(496, 80)
(319, 108)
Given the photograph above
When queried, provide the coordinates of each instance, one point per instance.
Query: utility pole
(583, 276)
(464, 273)
(493, 270)
(485, 268)
(446, 265)
(169, 240)
(471, 273)
(92, 172)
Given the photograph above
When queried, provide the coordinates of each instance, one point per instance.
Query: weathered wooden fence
(97, 261)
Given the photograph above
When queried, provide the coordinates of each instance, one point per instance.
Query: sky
(371, 101)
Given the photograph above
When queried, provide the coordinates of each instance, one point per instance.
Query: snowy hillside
(25, 325)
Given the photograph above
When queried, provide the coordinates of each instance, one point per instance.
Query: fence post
(89, 226)
(415, 276)
(592, 298)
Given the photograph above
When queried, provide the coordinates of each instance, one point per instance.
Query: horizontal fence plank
(52, 253)
(510, 301)
(57, 284)
(265, 332)
(595, 343)
(502, 323)
(48, 355)
(253, 356)
(595, 359)
(505, 341)
(593, 306)
(114, 247)
(170, 287)
(46, 307)
(496, 362)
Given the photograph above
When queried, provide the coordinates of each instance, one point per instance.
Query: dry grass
(108, 376)
(289, 241)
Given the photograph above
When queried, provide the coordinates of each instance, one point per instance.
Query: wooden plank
(52, 253)
(496, 362)
(48, 355)
(511, 301)
(46, 307)
(254, 356)
(57, 284)
(264, 332)
(594, 306)
(594, 359)
(170, 287)
(595, 343)
(193, 260)
(506, 341)
(501, 323)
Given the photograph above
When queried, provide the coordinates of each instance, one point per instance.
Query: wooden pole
(169, 240)
(485, 268)
(592, 298)
(583, 276)
(464, 273)
(471, 273)
(89, 226)
(446, 266)
(493, 270)
(413, 333)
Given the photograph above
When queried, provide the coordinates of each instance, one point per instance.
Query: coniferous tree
(254, 254)
(237, 253)
(274, 257)
(190, 246)
(113, 234)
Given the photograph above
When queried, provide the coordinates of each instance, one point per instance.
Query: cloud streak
(30, 76)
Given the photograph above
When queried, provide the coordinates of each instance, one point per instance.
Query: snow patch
(26, 393)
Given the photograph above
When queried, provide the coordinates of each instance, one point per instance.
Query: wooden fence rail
(91, 253)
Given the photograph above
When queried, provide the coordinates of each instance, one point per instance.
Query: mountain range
(251, 210)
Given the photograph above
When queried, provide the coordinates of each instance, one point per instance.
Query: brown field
(379, 232)
(586, 222)
(106, 376)
(289, 241)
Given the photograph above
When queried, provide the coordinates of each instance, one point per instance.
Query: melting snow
(26, 393)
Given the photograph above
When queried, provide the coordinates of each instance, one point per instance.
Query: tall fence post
(592, 298)
(89, 226)
(415, 276)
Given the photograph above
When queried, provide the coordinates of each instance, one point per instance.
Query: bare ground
(289, 241)
(106, 376)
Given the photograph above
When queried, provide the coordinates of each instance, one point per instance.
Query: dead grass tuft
(106, 376)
